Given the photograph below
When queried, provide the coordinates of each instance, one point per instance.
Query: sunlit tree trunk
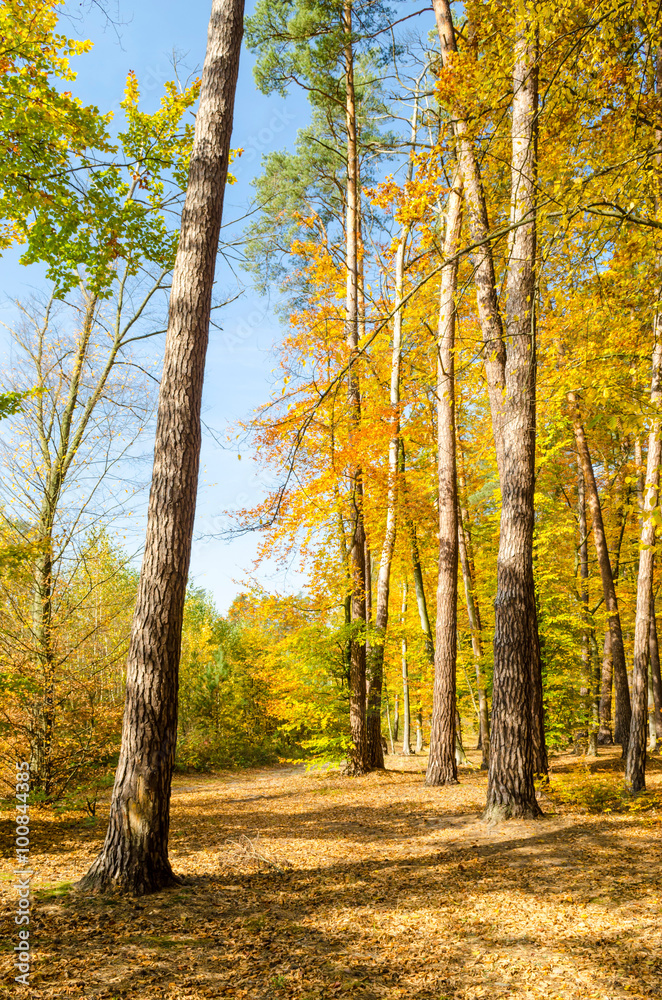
(135, 853)
(406, 706)
(359, 762)
(442, 769)
(617, 651)
(656, 679)
(635, 762)
(591, 679)
(473, 610)
(510, 371)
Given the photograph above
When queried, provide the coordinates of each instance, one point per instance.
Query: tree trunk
(376, 661)
(442, 769)
(511, 790)
(635, 762)
(135, 853)
(510, 375)
(419, 731)
(358, 762)
(623, 712)
(396, 717)
(587, 651)
(473, 613)
(605, 736)
(417, 569)
(406, 711)
(656, 679)
(460, 755)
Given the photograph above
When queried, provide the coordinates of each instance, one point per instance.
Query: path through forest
(309, 885)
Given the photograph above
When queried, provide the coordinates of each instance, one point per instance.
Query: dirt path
(308, 885)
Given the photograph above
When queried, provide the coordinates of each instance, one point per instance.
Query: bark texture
(515, 722)
(135, 853)
(358, 762)
(623, 712)
(442, 768)
(510, 371)
(635, 762)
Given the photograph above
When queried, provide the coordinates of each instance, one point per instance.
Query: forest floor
(308, 885)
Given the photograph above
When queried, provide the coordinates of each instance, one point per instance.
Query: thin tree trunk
(473, 613)
(656, 679)
(588, 638)
(376, 660)
(396, 716)
(406, 728)
(460, 755)
(388, 720)
(623, 712)
(635, 762)
(417, 569)
(442, 768)
(605, 735)
(419, 730)
(135, 853)
(358, 762)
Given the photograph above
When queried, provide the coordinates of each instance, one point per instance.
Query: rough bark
(135, 853)
(442, 768)
(511, 790)
(635, 761)
(623, 712)
(473, 611)
(358, 762)
(510, 371)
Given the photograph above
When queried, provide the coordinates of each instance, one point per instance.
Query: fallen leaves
(314, 886)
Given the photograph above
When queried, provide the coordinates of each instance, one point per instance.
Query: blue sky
(239, 359)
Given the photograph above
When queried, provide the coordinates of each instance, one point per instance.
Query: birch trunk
(635, 763)
(135, 853)
(442, 768)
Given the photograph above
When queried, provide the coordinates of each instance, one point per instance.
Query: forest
(418, 752)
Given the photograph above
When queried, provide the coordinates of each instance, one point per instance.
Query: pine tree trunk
(442, 768)
(635, 762)
(358, 762)
(135, 853)
(511, 790)
(623, 712)
(516, 703)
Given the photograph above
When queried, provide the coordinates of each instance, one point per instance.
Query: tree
(635, 761)
(135, 853)
(442, 769)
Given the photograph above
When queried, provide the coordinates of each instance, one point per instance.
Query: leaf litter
(309, 885)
